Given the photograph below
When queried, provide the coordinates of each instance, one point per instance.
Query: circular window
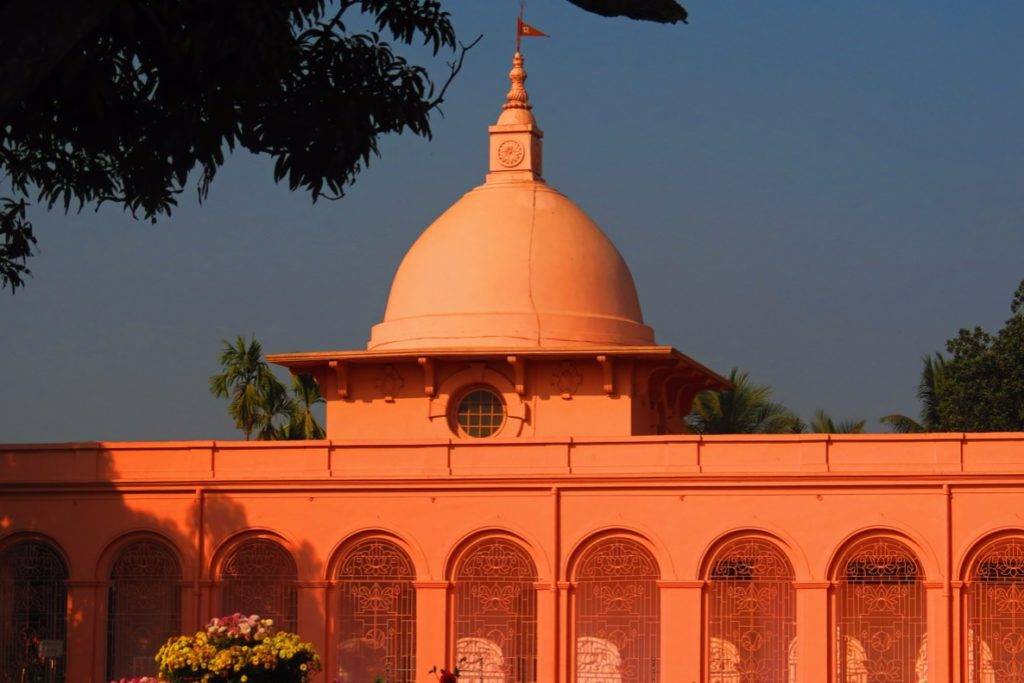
(481, 413)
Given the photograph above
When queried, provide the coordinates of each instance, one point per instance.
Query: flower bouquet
(238, 649)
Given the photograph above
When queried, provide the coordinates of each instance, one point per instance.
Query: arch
(995, 608)
(478, 373)
(143, 604)
(409, 546)
(495, 610)
(751, 605)
(33, 606)
(880, 610)
(112, 550)
(784, 542)
(616, 611)
(651, 543)
(927, 561)
(257, 574)
(375, 633)
(538, 558)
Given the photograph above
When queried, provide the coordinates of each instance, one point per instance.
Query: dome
(513, 263)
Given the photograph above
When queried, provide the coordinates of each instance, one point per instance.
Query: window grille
(376, 627)
(496, 614)
(751, 614)
(481, 413)
(617, 611)
(995, 614)
(880, 615)
(144, 608)
(33, 609)
(259, 577)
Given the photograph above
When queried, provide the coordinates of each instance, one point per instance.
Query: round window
(480, 413)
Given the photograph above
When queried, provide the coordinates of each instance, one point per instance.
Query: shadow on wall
(97, 571)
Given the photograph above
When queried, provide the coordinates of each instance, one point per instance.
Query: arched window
(496, 613)
(751, 613)
(995, 613)
(33, 612)
(376, 627)
(880, 614)
(617, 614)
(144, 608)
(259, 577)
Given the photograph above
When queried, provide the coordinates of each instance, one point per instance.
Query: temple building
(508, 485)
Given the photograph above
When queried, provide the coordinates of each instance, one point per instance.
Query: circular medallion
(510, 153)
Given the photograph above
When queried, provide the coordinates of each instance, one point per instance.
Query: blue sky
(820, 193)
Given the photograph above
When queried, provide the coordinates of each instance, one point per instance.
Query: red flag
(528, 31)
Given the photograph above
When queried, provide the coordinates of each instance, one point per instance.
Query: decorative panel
(881, 624)
(376, 621)
(259, 577)
(995, 614)
(144, 608)
(496, 614)
(33, 613)
(617, 614)
(751, 614)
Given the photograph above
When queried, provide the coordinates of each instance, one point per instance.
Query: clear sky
(820, 193)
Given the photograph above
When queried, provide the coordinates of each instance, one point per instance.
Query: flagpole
(519, 24)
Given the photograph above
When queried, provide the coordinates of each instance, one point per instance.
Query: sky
(818, 193)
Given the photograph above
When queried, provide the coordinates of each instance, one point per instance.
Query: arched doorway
(496, 613)
(259, 577)
(143, 607)
(617, 613)
(33, 612)
(751, 606)
(376, 622)
(880, 613)
(995, 613)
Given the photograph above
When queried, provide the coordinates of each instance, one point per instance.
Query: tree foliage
(259, 402)
(122, 101)
(933, 377)
(822, 423)
(745, 408)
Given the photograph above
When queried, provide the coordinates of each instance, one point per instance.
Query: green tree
(982, 387)
(933, 373)
(302, 423)
(822, 423)
(122, 101)
(247, 382)
(746, 408)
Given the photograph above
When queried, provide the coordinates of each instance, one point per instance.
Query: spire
(515, 138)
(517, 98)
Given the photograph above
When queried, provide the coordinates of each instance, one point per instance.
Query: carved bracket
(341, 374)
(608, 373)
(519, 371)
(428, 375)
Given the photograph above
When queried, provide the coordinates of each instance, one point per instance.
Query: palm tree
(246, 380)
(929, 391)
(822, 423)
(302, 423)
(276, 410)
(746, 408)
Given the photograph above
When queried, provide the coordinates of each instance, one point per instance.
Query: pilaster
(812, 629)
(937, 601)
(682, 638)
(431, 628)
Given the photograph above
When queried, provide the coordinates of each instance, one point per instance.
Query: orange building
(507, 483)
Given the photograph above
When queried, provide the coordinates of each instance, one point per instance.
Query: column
(682, 641)
(565, 637)
(937, 601)
(547, 631)
(812, 631)
(312, 610)
(959, 654)
(81, 651)
(431, 628)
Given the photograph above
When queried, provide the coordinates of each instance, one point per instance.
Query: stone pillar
(959, 653)
(812, 631)
(547, 631)
(312, 613)
(682, 640)
(565, 634)
(81, 651)
(431, 628)
(936, 599)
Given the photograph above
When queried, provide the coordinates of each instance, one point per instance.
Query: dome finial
(517, 98)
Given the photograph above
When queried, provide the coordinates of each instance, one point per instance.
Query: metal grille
(995, 613)
(377, 615)
(259, 578)
(481, 413)
(33, 609)
(880, 615)
(751, 614)
(496, 614)
(617, 614)
(144, 608)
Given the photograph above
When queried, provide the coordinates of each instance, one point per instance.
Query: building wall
(680, 498)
